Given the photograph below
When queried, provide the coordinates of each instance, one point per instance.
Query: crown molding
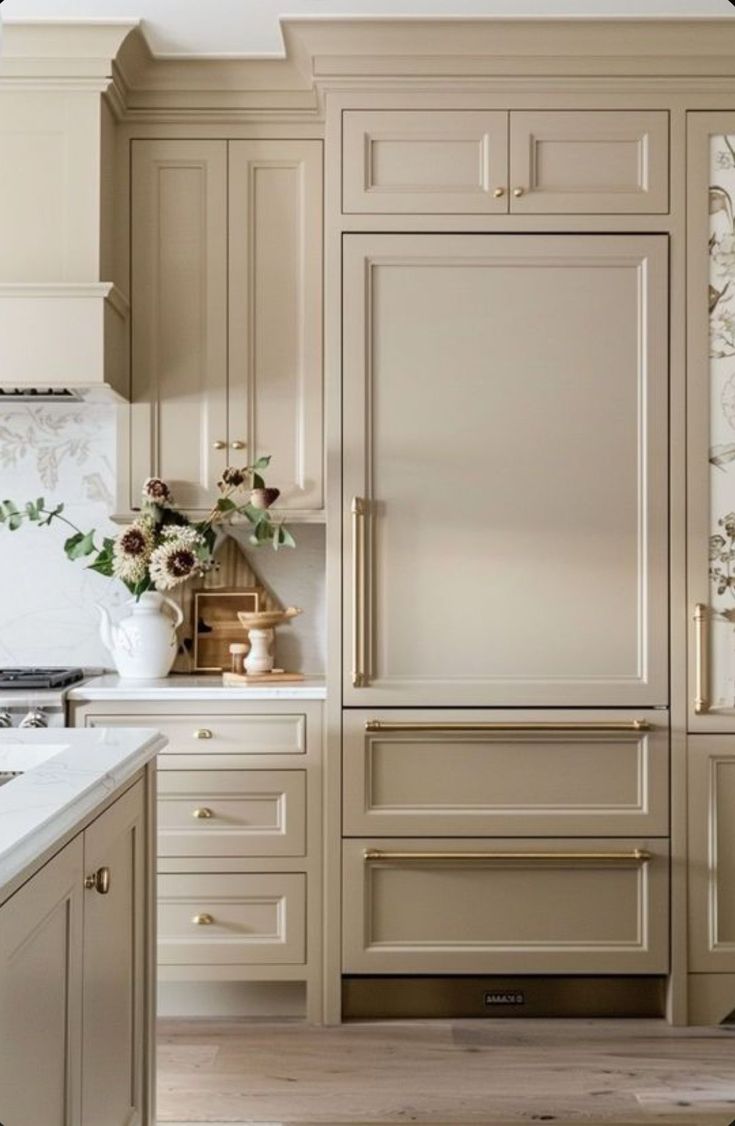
(325, 53)
(66, 50)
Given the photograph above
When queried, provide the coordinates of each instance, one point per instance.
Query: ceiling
(251, 27)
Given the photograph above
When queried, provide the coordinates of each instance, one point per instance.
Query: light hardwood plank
(620, 1073)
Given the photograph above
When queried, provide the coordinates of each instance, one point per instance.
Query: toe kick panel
(505, 906)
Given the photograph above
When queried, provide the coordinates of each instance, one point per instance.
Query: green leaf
(224, 504)
(286, 538)
(103, 563)
(79, 545)
(14, 521)
(262, 463)
(32, 511)
(10, 508)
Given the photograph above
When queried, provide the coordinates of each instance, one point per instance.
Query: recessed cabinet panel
(179, 318)
(502, 906)
(41, 995)
(231, 919)
(114, 974)
(425, 161)
(505, 470)
(476, 773)
(275, 323)
(232, 813)
(712, 854)
(589, 161)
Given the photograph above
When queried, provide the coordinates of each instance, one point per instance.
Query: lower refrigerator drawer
(597, 906)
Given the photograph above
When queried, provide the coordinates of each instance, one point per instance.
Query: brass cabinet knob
(499, 193)
(202, 733)
(203, 814)
(202, 920)
(219, 445)
(237, 445)
(98, 881)
(517, 192)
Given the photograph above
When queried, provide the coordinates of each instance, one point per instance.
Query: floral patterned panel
(65, 454)
(722, 413)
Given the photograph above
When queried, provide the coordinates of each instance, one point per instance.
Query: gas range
(35, 697)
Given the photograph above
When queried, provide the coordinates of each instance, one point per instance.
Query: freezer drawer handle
(635, 856)
(612, 726)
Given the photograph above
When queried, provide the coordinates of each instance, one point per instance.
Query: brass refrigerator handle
(359, 643)
(634, 856)
(600, 726)
(701, 659)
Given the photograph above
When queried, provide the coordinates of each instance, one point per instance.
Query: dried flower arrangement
(163, 548)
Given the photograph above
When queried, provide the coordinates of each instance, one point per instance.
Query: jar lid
(238, 647)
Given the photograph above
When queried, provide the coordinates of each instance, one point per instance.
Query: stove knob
(6, 719)
(34, 718)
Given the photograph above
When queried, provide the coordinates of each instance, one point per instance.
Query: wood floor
(453, 1072)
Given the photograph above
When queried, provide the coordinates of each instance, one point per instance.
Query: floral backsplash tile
(47, 605)
(67, 453)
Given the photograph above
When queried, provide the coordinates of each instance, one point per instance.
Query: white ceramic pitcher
(143, 644)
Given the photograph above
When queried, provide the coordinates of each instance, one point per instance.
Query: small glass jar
(238, 651)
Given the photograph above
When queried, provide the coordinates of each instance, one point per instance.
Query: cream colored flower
(131, 552)
(175, 560)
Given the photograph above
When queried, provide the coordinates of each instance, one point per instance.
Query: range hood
(63, 342)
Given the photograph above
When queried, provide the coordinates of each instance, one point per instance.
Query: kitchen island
(77, 886)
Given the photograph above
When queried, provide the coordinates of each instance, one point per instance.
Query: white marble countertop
(67, 773)
(182, 687)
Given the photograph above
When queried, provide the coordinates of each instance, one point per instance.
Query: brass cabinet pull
(202, 814)
(98, 881)
(518, 192)
(541, 726)
(219, 445)
(359, 585)
(202, 733)
(499, 193)
(635, 856)
(237, 445)
(203, 920)
(701, 659)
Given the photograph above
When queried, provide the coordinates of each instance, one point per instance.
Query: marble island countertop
(195, 688)
(66, 774)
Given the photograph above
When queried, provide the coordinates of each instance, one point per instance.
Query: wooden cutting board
(277, 676)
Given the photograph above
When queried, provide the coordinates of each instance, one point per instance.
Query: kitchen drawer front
(435, 773)
(420, 161)
(212, 736)
(599, 907)
(589, 161)
(232, 813)
(247, 919)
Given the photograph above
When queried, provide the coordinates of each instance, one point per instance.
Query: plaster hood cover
(63, 341)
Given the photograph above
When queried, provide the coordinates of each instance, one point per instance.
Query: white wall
(225, 27)
(47, 604)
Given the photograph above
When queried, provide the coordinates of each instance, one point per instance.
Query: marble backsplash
(47, 604)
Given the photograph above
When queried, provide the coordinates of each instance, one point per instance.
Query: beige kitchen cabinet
(74, 981)
(114, 965)
(712, 854)
(547, 905)
(436, 773)
(505, 470)
(239, 837)
(226, 316)
(41, 982)
(522, 162)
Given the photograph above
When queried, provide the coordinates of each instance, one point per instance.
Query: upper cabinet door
(711, 419)
(275, 314)
(589, 161)
(179, 318)
(505, 470)
(432, 161)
